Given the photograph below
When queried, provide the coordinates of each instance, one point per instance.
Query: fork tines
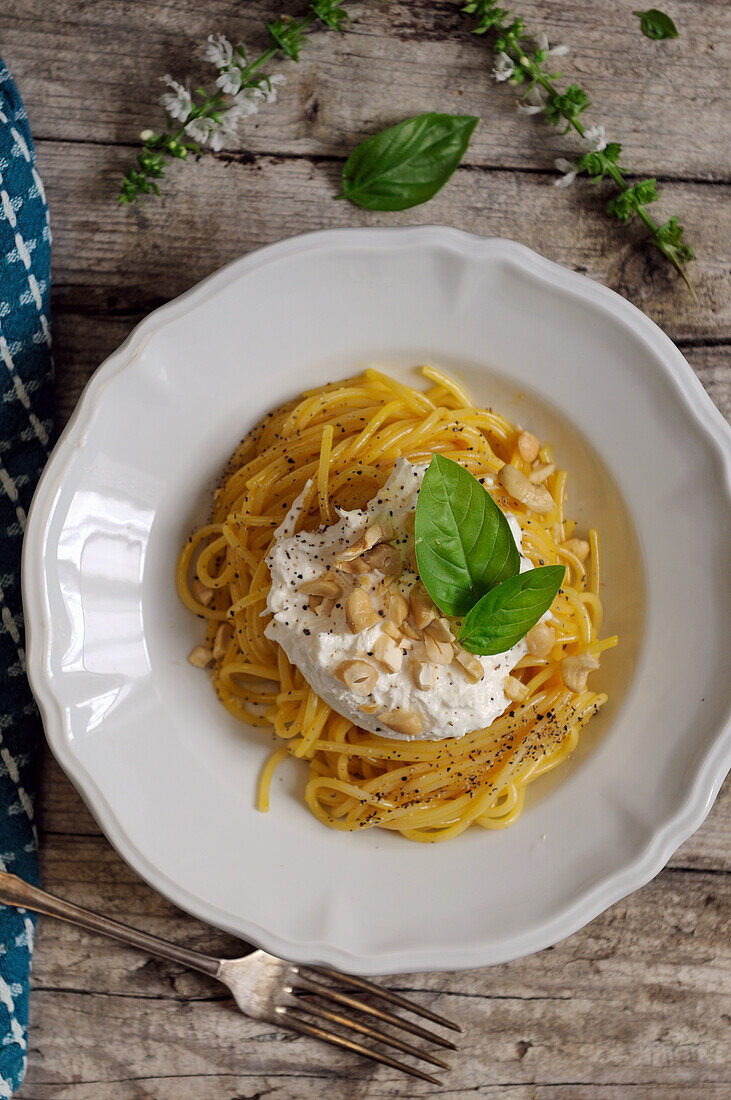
(308, 990)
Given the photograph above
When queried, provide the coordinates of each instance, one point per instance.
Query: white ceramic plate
(171, 776)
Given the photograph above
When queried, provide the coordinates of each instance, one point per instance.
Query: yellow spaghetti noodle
(338, 444)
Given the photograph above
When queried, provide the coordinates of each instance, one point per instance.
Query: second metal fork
(267, 988)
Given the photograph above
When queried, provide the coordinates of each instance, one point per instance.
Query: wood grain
(635, 1006)
(90, 72)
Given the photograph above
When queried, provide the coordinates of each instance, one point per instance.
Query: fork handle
(14, 891)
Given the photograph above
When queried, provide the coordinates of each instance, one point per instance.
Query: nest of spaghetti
(337, 445)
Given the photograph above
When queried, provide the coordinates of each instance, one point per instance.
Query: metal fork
(267, 988)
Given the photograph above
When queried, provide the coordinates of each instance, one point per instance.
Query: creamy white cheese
(318, 643)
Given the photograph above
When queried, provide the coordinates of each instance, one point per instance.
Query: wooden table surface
(638, 1003)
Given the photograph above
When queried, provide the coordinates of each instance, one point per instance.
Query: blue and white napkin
(25, 430)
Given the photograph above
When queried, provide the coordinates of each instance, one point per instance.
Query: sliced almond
(385, 558)
(388, 653)
(423, 610)
(541, 472)
(540, 639)
(321, 586)
(359, 611)
(221, 642)
(392, 630)
(401, 721)
(440, 630)
(410, 632)
(321, 605)
(439, 653)
(359, 676)
(201, 592)
(578, 547)
(424, 675)
(378, 532)
(575, 670)
(515, 689)
(528, 446)
(398, 608)
(471, 665)
(369, 708)
(200, 656)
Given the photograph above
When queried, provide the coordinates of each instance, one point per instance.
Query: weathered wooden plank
(92, 74)
(113, 258)
(633, 1002)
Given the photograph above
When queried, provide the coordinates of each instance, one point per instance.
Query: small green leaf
(508, 611)
(656, 24)
(408, 163)
(464, 545)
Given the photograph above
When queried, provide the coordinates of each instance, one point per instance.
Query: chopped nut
(578, 547)
(359, 676)
(471, 665)
(201, 592)
(528, 446)
(379, 532)
(369, 708)
(575, 670)
(321, 586)
(440, 630)
(401, 721)
(392, 630)
(535, 497)
(541, 640)
(359, 611)
(356, 567)
(515, 689)
(541, 472)
(221, 642)
(439, 653)
(410, 632)
(423, 675)
(384, 558)
(398, 608)
(388, 653)
(423, 610)
(200, 656)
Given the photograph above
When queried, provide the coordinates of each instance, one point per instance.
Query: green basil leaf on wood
(508, 611)
(656, 24)
(464, 545)
(406, 164)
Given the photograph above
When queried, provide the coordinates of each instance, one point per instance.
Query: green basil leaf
(463, 542)
(508, 611)
(406, 164)
(656, 24)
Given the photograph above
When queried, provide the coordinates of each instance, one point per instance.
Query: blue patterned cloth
(25, 428)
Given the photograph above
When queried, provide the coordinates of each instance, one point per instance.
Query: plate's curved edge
(711, 770)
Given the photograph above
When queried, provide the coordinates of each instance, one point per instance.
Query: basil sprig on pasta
(470, 565)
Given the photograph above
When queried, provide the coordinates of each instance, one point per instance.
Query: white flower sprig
(201, 118)
(519, 59)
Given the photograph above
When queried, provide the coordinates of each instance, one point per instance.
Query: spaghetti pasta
(337, 445)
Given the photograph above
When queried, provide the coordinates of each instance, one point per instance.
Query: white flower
(533, 102)
(177, 102)
(218, 50)
(229, 80)
(595, 139)
(270, 93)
(550, 51)
(201, 129)
(504, 68)
(569, 170)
